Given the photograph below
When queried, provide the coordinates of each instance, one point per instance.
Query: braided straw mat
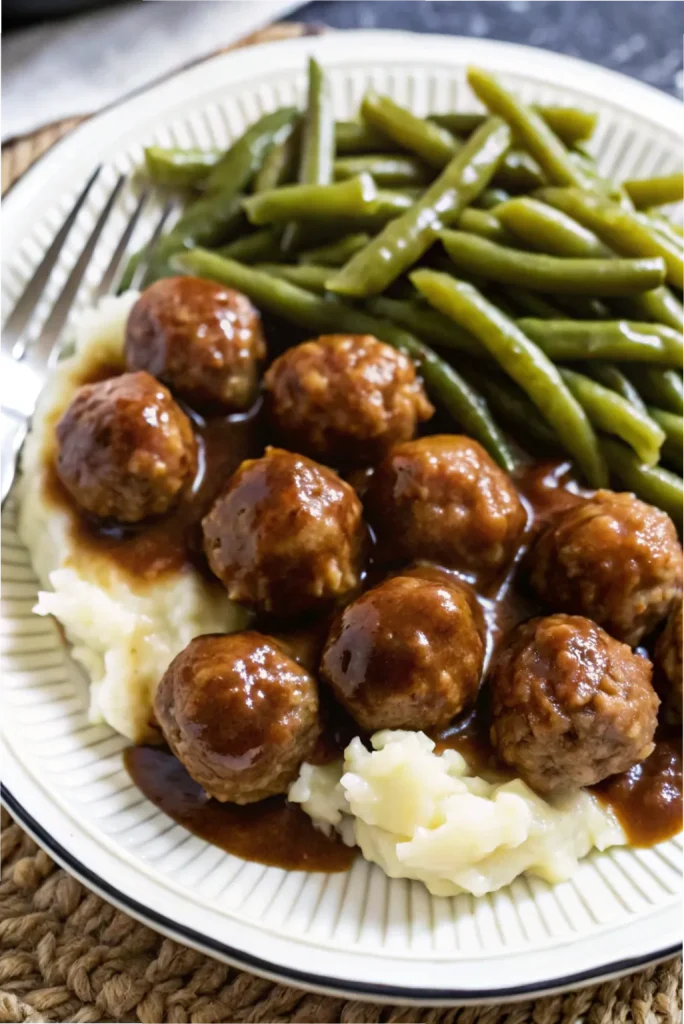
(66, 955)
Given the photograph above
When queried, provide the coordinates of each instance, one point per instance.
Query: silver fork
(24, 368)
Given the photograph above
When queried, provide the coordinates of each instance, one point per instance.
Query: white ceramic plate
(359, 933)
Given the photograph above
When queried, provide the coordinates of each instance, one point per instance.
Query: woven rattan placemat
(66, 955)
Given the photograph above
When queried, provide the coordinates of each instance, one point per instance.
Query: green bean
(404, 240)
(280, 163)
(519, 172)
(548, 273)
(258, 247)
(570, 124)
(663, 226)
(549, 230)
(612, 377)
(531, 129)
(318, 143)
(391, 171)
(620, 229)
(325, 315)
(433, 144)
(313, 202)
(611, 413)
(179, 168)
(534, 305)
(355, 137)
(672, 452)
(336, 253)
(485, 224)
(663, 388)
(653, 484)
(388, 205)
(664, 223)
(512, 405)
(307, 275)
(622, 340)
(645, 192)
(427, 324)
(238, 166)
(490, 198)
(522, 360)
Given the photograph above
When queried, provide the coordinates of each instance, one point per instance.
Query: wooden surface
(66, 955)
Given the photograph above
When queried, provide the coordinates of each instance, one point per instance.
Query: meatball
(287, 535)
(202, 339)
(570, 705)
(344, 399)
(611, 558)
(443, 499)
(239, 714)
(668, 657)
(125, 449)
(406, 655)
(447, 578)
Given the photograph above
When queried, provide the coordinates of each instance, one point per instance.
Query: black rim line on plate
(246, 960)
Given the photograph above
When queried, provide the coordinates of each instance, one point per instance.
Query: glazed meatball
(447, 578)
(611, 558)
(406, 655)
(443, 499)
(668, 656)
(344, 398)
(287, 535)
(570, 705)
(201, 339)
(239, 714)
(125, 449)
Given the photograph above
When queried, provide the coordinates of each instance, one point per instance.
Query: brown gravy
(647, 799)
(271, 832)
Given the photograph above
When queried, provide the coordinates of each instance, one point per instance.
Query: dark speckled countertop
(640, 39)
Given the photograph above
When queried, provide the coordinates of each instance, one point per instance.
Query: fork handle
(13, 427)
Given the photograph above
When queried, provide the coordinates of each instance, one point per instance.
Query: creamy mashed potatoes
(124, 635)
(424, 816)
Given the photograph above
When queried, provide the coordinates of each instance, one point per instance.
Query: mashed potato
(423, 816)
(124, 637)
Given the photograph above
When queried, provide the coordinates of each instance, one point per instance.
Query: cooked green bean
(519, 172)
(485, 224)
(405, 239)
(527, 125)
(653, 484)
(534, 305)
(356, 137)
(621, 229)
(179, 168)
(672, 452)
(388, 170)
(645, 192)
(317, 151)
(664, 223)
(660, 387)
(305, 275)
(522, 360)
(388, 205)
(570, 124)
(427, 324)
(433, 144)
(260, 246)
(324, 315)
(612, 377)
(663, 226)
(549, 273)
(549, 230)
(336, 253)
(350, 198)
(490, 198)
(512, 405)
(280, 163)
(611, 413)
(240, 163)
(622, 340)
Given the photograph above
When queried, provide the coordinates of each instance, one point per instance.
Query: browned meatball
(668, 656)
(202, 339)
(443, 499)
(447, 578)
(612, 558)
(239, 714)
(125, 449)
(344, 398)
(570, 705)
(405, 655)
(287, 535)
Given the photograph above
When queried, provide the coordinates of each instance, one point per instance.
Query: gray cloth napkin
(81, 64)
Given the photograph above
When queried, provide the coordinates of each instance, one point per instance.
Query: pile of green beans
(528, 288)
